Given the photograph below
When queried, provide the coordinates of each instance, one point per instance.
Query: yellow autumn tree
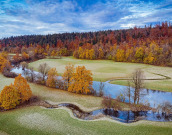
(120, 55)
(20, 84)
(53, 53)
(91, 54)
(139, 55)
(67, 75)
(81, 53)
(9, 97)
(81, 81)
(51, 80)
(101, 53)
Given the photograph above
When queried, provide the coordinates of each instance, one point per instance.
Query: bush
(109, 102)
(9, 97)
(9, 74)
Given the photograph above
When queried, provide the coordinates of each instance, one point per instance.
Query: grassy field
(40, 121)
(108, 70)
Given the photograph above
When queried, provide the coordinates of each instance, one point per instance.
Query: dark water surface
(122, 116)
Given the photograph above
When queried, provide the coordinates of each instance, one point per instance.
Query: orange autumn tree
(51, 80)
(81, 81)
(3, 61)
(9, 97)
(16, 57)
(25, 56)
(23, 88)
(67, 75)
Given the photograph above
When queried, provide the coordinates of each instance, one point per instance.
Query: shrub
(9, 97)
(109, 102)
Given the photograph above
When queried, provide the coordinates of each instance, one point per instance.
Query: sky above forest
(25, 17)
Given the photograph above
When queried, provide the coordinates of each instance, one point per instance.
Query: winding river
(155, 98)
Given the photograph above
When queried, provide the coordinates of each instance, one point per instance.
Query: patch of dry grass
(61, 96)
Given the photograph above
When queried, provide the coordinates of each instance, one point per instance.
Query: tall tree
(138, 84)
(67, 75)
(43, 69)
(52, 77)
(81, 81)
(20, 84)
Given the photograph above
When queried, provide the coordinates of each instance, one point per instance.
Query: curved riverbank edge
(85, 109)
(84, 113)
(164, 78)
(105, 118)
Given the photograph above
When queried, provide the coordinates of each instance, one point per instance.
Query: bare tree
(31, 55)
(24, 65)
(129, 91)
(101, 88)
(43, 69)
(32, 74)
(138, 84)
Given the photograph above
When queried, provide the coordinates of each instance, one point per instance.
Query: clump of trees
(77, 80)
(15, 94)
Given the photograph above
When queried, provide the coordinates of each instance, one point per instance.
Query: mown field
(104, 70)
(38, 120)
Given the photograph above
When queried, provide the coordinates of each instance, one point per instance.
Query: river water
(155, 98)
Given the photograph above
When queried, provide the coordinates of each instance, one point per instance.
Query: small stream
(122, 116)
(155, 98)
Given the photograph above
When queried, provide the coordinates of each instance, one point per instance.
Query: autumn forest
(149, 45)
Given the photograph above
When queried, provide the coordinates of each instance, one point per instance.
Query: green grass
(40, 121)
(163, 85)
(108, 70)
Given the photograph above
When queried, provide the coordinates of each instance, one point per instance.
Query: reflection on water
(122, 116)
(153, 97)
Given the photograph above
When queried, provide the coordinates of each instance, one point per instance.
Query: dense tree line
(151, 44)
